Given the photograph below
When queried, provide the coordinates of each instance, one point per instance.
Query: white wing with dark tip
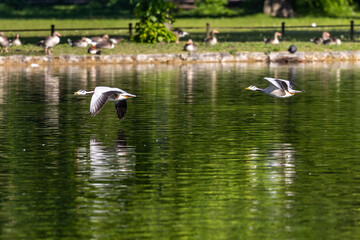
(281, 84)
(100, 96)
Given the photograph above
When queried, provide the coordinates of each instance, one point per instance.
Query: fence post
(283, 29)
(207, 30)
(130, 30)
(352, 30)
(52, 29)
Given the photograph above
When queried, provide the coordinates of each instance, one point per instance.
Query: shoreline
(210, 57)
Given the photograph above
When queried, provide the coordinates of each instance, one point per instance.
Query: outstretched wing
(281, 84)
(99, 98)
(121, 107)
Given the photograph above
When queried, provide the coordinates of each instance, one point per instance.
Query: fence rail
(283, 28)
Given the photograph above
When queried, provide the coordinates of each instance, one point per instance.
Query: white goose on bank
(274, 40)
(278, 88)
(16, 41)
(4, 42)
(103, 94)
(50, 42)
(213, 40)
(190, 46)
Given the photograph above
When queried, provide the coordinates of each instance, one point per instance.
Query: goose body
(98, 39)
(332, 41)
(50, 42)
(4, 42)
(278, 88)
(101, 95)
(81, 43)
(321, 39)
(274, 40)
(190, 46)
(179, 34)
(106, 44)
(93, 50)
(17, 41)
(213, 40)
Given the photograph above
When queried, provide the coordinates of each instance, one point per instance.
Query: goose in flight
(278, 88)
(103, 94)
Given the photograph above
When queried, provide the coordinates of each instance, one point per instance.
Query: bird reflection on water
(101, 162)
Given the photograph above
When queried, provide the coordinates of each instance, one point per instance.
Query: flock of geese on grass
(105, 42)
(278, 88)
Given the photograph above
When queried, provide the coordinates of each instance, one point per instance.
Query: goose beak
(247, 88)
(128, 95)
(76, 93)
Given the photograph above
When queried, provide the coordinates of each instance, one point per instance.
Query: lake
(196, 157)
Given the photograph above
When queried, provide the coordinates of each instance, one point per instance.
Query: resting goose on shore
(106, 44)
(190, 46)
(50, 42)
(93, 50)
(213, 39)
(332, 41)
(116, 40)
(278, 88)
(16, 41)
(320, 40)
(179, 34)
(273, 40)
(4, 42)
(81, 43)
(98, 39)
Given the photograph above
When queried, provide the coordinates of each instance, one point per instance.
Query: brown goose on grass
(50, 42)
(4, 42)
(213, 40)
(321, 39)
(273, 40)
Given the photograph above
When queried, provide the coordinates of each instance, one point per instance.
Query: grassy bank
(231, 40)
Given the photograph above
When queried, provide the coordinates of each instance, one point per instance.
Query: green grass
(231, 40)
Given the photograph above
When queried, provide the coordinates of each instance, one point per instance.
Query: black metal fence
(283, 28)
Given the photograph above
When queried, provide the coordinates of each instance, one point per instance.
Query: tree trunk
(278, 8)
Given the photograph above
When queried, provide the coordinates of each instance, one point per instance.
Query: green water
(196, 157)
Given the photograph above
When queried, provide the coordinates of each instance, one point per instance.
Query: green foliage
(212, 8)
(331, 8)
(153, 16)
